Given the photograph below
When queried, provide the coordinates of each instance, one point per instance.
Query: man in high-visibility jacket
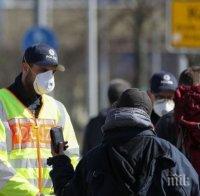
(27, 114)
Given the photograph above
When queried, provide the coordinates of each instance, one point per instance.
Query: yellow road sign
(185, 24)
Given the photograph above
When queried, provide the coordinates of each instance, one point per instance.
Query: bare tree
(142, 11)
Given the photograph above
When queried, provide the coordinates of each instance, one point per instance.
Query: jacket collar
(20, 92)
(127, 117)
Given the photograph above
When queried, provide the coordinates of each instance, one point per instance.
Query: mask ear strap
(24, 58)
(29, 65)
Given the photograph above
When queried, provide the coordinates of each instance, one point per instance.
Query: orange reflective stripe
(21, 133)
(24, 135)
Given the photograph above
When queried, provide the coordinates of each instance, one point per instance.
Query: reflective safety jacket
(25, 144)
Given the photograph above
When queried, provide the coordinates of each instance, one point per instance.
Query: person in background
(162, 87)
(93, 134)
(166, 126)
(131, 160)
(182, 126)
(27, 114)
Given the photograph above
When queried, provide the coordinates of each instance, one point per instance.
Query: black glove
(62, 172)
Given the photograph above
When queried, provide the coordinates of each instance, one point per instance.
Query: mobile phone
(56, 134)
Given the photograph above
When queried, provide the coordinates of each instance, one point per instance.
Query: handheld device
(56, 134)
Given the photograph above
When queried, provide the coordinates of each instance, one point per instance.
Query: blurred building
(117, 51)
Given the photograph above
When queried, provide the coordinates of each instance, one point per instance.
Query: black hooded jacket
(130, 161)
(166, 128)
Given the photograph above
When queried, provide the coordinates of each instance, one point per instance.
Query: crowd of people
(145, 143)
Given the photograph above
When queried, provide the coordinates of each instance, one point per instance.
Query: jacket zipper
(36, 127)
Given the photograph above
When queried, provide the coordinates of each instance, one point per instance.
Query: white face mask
(44, 83)
(163, 106)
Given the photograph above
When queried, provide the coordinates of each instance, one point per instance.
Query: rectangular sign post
(184, 25)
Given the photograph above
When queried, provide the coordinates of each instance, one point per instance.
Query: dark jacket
(93, 135)
(130, 161)
(154, 117)
(166, 128)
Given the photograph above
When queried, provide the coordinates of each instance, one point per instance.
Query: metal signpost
(92, 58)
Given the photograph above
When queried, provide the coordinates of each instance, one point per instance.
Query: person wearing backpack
(130, 161)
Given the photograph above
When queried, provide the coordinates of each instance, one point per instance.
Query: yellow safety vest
(25, 144)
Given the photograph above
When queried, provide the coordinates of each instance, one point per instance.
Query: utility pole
(92, 58)
(41, 15)
(2, 18)
(156, 41)
(182, 63)
(104, 69)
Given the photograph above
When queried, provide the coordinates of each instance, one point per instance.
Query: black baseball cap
(42, 55)
(163, 81)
